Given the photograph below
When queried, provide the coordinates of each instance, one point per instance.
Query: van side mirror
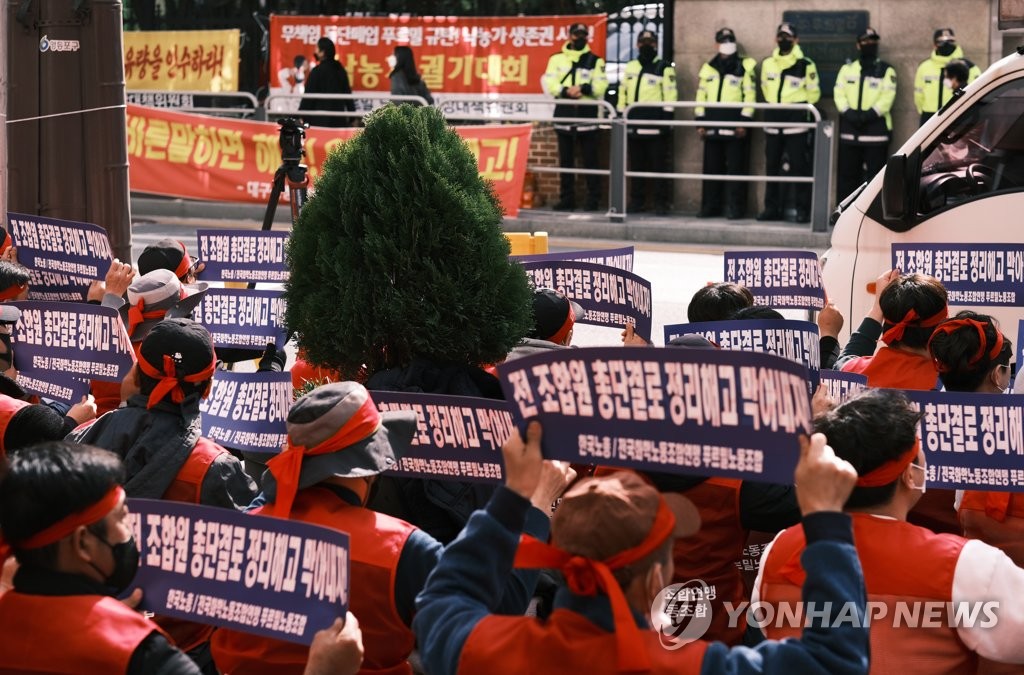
(900, 187)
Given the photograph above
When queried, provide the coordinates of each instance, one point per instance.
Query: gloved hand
(854, 118)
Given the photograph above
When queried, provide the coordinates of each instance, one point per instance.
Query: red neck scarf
(286, 466)
(136, 315)
(585, 577)
(891, 470)
(169, 381)
(912, 320)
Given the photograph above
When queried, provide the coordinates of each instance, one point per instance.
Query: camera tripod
(291, 172)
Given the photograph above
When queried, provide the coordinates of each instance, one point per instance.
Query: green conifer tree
(399, 253)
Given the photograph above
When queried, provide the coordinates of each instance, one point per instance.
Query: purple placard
(795, 340)
(72, 339)
(700, 412)
(619, 258)
(457, 437)
(278, 578)
(247, 411)
(53, 287)
(1020, 345)
(61, 246)
(972, 441)
(233, 255)
(973, 274)
(778, 279)
(841, 386)
(611, 297)
(240, 317)
(51, 384)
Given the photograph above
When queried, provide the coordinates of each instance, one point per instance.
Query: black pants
(648, 153)
(726, 156)
(858, 163)
(797, 151)
(567, 160)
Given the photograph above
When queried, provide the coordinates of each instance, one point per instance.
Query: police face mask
(945, 48)
(785, 45)
(578, 43)
(648, 52)
(126, 564)
(869, 51)
(727, 48)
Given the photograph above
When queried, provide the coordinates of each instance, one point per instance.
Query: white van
(958, 179)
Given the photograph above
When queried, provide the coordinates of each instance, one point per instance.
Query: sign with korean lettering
(795, 340)
(612, 297)
(778, 279)
(619, 258)
(841, 386)
(1020, 345)
(73, 340)
(273, 577)
(52, 384)
(973, 274)
(247, 411)
(972, 441)
(201, 157)
(186, 60)
(231, 255)
(60, 246)
(240, 317)
(56, 287)
(477, 54)
(700, 412)
(457, 437)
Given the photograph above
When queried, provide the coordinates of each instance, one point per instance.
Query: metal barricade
(376, 99)
(185, 101)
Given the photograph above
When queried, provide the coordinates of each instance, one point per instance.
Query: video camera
(293, 133)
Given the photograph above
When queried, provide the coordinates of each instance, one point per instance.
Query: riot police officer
(930, 92)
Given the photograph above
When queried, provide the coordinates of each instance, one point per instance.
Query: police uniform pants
(724, 155)
(795, 148)
(647, 152)
(567, 160)
(858, 163)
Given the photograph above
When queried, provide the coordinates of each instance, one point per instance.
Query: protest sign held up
(619, 258)
(247, 411)
(233, 255)
(60, 246)
(973, 274)
(239, 317)
(841, 386)
(778, 279)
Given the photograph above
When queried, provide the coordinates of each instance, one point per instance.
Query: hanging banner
(619, 258)
(58, 246)
(240, 317)
(471, 54)
(200, 157)
(699, 412)
(778, 279)
(972, 441)
(612, 297)
(457, 437)
(247, 411)
(185, 60)
(231, 255)
(72, 340)
(273, 577)
(973, 274)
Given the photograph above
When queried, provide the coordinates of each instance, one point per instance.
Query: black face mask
(869, 52)
(785, 45)
(126, 564)
(647, 52)
(945, 48)
(578, 43)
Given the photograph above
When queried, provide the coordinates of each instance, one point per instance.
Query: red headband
(7, 242)
(182, 269)
(169, 381)
(585, 576)
(66, 525)
(136, 315)
(11, 292)
(570, 320)
(954, 325)
(895, 332)
(286, 466)
(891, 470)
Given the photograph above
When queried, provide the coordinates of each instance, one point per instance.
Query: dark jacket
(400, 86)
(329, 77)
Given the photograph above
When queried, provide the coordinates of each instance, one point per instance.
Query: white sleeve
(755, 594)
(989, 586)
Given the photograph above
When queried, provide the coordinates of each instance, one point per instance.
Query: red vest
(106, 394)
(711, 553)
(902, 563)
(996, 518)
(566, 643)
(376, 542)
(68, 634)
(895, 369)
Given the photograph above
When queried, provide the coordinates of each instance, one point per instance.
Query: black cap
(646, 35)
(166, 254)
(869, 34)
(578, 28)
(551, 315)
(943, 35)
(691, 341)
(725, 35)
(187, 343)
(786, 28)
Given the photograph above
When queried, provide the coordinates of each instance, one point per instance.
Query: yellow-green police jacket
(863, 88)
(726, 79)
(650, 82)
(929, 92)
(571, 67)
(792, 78)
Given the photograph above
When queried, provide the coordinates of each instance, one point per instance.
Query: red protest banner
(200, 157)
(504, 54)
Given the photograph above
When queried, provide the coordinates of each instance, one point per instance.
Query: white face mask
(947, 83)
(391, 61)
(924, 478)
(727, 48)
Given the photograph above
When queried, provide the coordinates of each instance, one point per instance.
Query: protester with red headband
(170, 254)
(876, 432)
(612, 539)
(14, 280)
(338, 444)
(63, 513)
(554, 316)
